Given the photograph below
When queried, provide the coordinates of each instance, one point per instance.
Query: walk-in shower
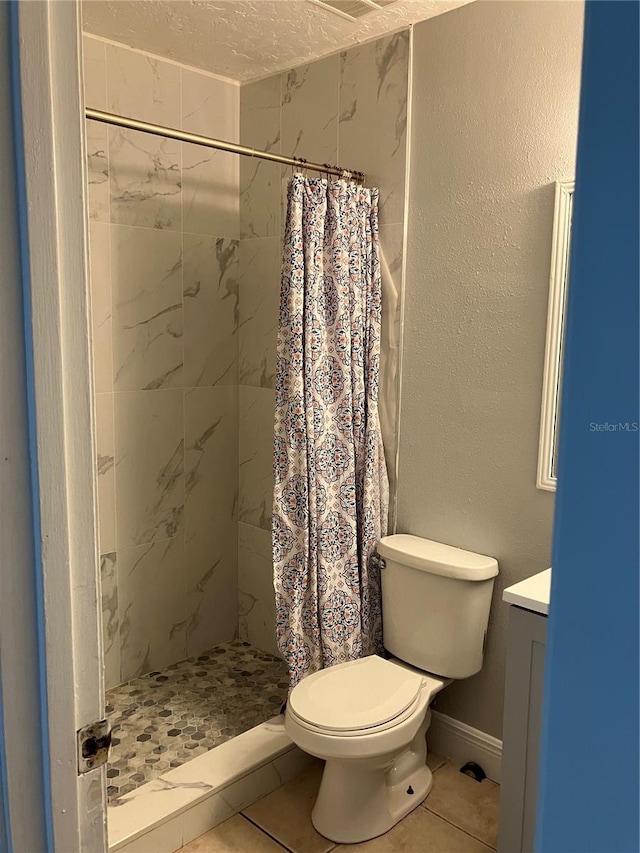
(185, 257)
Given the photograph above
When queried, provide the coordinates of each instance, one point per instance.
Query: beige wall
(495, 109)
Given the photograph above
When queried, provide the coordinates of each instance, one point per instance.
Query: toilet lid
(355, 695)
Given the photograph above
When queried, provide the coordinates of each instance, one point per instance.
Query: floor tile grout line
(268, 834)
(455, 826)
(330, 849)
(425, 805)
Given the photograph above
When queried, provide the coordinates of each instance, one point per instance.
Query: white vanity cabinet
(524, 681)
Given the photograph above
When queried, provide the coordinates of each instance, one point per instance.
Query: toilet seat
(362, 696)
(354, 733)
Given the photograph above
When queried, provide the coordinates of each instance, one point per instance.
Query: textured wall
(164, 228)
(495, 108)
(349, 108)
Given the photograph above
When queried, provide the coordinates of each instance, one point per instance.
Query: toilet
(368, 718)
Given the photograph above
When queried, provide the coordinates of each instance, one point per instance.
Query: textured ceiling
(245, 40)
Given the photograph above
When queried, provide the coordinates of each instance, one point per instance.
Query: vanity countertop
(532, 593)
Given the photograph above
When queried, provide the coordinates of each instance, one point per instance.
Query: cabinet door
(521, 732)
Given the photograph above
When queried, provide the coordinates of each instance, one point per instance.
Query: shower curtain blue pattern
(331, 488)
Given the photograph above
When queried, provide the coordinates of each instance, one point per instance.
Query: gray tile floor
(163, 719)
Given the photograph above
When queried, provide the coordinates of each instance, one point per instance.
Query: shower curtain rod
(219, 144)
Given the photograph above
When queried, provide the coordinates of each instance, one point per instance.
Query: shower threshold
(172, 786)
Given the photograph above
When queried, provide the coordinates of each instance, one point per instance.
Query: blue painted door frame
(5, 835)
(588, 794)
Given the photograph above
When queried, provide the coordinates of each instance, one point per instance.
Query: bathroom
(464, 115)
(185, 249)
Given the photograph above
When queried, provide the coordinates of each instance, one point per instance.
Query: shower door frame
(45, 46)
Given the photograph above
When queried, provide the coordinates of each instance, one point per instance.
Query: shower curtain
(331, 488)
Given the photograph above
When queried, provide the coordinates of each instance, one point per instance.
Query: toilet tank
(435, 604)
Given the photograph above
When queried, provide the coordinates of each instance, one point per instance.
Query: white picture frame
(552, 378)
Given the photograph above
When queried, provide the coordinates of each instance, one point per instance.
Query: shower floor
(161, 720)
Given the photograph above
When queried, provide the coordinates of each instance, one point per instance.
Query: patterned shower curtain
(331, 488)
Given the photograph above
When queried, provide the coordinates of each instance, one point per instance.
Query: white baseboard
(461, 743)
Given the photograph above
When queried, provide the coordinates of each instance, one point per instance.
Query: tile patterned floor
(163, 719)
(460, 815)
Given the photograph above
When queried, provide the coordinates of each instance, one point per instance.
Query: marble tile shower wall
(164, 247)
(350, 108)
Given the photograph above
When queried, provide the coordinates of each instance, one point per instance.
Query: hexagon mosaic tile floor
(163, 719)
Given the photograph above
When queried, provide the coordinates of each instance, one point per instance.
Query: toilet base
(357, 815)
(361, 799)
